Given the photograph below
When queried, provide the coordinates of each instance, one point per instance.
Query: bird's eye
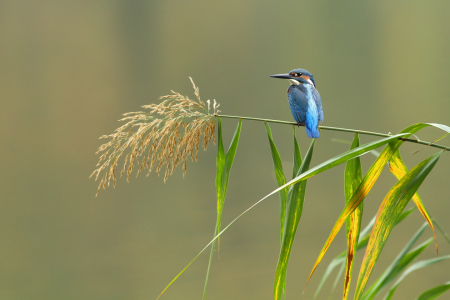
(299, 74)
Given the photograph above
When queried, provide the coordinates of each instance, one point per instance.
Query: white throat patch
(295, 82)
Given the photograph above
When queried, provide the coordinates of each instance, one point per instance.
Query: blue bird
(304, 100)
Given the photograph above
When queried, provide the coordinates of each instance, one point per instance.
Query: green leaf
(353, 177)
(220, 166)
(228, 162)
(398, 168)
(435, 292)
(390, 209)
(398, 265)
(294, 208)
(416, 266)
(281, 179)
(223, 167)
(369, 180)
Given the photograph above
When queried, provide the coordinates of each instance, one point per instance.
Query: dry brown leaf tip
(167, 134)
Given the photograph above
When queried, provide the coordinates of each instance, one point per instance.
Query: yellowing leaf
(353, 177)
(398, 168)
(390, 209)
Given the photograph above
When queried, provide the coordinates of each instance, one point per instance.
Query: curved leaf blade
(392, 206)
(223, 167)
(228, 163)
(339, 159)
(353, 177)
(399, 169)
(220, 166)
(279, 174)
(294, 208)
(435, 292)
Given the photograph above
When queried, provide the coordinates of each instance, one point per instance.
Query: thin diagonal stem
(417, 141)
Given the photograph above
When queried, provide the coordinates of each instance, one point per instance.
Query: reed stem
(417, 141)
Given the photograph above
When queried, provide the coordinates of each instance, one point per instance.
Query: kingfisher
(304, 100)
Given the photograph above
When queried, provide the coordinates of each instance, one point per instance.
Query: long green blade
(294, 208)
(228, 162)
(353, 177)
(391, 208)
(279, 175)
(414, 267)
(435, 292)
(223, 167)
(398, 265)
(220, 166)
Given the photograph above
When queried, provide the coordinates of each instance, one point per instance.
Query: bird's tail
(312, 134)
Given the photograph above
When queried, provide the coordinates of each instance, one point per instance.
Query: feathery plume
(166, 135)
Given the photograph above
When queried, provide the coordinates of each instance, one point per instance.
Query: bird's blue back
(306, 107)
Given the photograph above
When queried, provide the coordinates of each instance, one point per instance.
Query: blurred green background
(69, 69)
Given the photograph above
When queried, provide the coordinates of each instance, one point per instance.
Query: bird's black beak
(282, 76)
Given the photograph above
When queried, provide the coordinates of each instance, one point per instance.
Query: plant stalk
(417, 141)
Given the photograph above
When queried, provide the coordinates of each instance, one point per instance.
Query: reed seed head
(165, 135)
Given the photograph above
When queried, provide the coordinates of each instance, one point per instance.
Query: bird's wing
(318, 101)
(298, 103)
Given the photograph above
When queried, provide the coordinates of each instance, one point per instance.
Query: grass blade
(416, 266)
(294, 207)
(228, 162)
(220, 166)
(435, 292)
(223, 167)
(398, 265)
(353, 177)
(398, 168)
(281, 179)
(392, 206)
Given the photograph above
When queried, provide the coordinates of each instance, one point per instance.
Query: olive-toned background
(69, 69)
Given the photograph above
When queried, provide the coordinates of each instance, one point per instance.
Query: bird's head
(297, 77)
